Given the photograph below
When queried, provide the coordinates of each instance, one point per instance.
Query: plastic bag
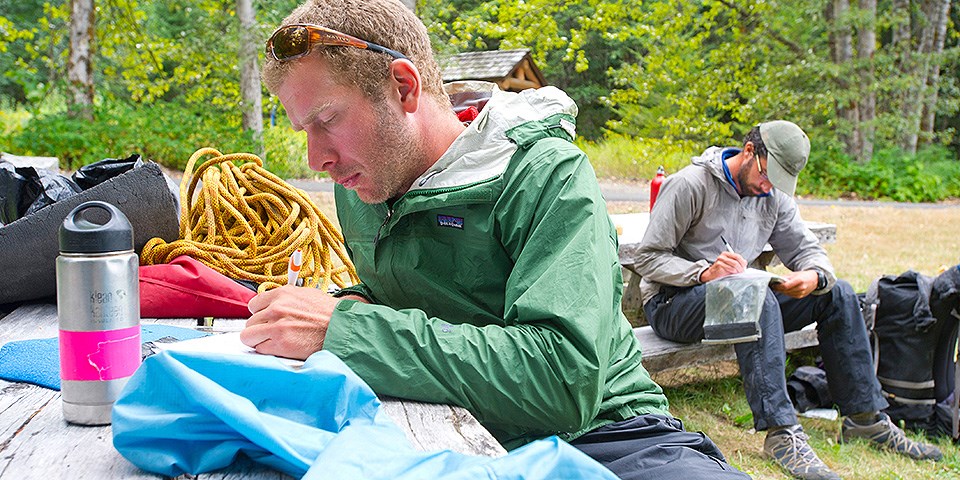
(24, 190)
(733, 306)
(99, 172)
(17, 192)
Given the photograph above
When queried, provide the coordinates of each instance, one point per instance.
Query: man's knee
(842, 289)
(843, 308)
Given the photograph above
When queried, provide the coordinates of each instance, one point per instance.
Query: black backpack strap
(871, 302)
(955, 403)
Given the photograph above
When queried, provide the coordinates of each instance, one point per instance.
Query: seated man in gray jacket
(746, 196)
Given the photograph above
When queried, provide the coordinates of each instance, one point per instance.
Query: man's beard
(399, 158)
(746, 190)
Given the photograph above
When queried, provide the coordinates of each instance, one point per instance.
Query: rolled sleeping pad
(29, 246)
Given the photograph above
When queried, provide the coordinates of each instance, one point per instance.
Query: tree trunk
(901, 25)
(866, 46)
(250, 91)
(80, 62)
(918, 74)
(929, 117)
(901, 39)
(841, 39)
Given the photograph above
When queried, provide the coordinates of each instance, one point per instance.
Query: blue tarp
(191, 412)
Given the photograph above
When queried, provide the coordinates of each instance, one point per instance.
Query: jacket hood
(484, 149)
(712, 160)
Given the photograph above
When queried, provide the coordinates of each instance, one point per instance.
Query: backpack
(913, 320)
(808, 389)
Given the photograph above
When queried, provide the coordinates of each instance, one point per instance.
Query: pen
(293, 268)
(726, 245)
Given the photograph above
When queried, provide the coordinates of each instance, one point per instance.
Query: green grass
(718, 407)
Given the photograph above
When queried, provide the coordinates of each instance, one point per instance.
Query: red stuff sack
(186, 288)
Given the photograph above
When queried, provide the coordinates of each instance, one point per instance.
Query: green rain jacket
(495, 282)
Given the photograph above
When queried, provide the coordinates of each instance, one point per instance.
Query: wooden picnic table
(36, 443)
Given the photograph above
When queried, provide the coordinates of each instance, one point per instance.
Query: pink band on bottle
(99, 355)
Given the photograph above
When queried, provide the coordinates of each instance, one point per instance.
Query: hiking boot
(885, 434)
(789, 448)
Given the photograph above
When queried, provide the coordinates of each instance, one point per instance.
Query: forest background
(876, 83)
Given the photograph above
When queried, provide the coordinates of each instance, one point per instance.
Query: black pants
(678, 313)
(656, 447)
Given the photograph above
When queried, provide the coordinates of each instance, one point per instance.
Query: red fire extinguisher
(655, 185)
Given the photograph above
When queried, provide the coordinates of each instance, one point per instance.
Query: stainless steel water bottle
(98, 306)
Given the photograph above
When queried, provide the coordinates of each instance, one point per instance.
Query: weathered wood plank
(433, 427)
(35, 442)
(662, 355)
(31, 320)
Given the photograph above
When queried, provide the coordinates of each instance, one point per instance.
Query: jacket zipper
(385, 221)
(431, 191)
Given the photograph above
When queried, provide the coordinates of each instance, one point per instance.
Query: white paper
(226, 343)
(753, 273)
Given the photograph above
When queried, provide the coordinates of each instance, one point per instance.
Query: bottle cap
(96, 227)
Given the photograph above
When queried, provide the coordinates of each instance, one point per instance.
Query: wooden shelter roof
(512, 70)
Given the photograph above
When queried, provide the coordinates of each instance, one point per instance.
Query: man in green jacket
(489, 266)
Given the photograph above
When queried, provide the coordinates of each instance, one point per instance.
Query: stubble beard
(397, 155)
(746, 188)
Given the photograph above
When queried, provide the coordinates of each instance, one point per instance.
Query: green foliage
(655, 82)
(162, 132)
(711, 71)
(165, 133)
(931, 175)
(287, 153)
(573, 43)
(634, 158)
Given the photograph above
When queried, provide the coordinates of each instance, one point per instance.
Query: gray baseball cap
(787, 151)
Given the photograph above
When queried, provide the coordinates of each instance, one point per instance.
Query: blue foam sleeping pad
(38, 361)
(195, 412)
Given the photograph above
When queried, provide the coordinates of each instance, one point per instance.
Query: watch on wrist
(821, 280)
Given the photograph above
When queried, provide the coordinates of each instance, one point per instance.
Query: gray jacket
(697, 205)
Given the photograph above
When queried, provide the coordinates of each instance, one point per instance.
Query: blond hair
(385, 22)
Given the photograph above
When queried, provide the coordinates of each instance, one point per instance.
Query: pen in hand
(293, 268)
(726, 244)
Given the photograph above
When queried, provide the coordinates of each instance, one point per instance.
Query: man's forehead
(306, 91)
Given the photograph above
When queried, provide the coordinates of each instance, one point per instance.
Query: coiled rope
(246, 222)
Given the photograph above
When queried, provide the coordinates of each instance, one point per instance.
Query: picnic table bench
(660, 354)
(36, 443)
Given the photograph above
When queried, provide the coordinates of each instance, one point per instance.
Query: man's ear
(405, 83)
(748, 147)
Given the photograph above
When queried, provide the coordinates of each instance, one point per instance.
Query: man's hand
(290, 321)
(798, 284)
(728, 263)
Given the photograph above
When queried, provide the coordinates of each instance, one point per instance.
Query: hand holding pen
(728, 262)
(293, 267)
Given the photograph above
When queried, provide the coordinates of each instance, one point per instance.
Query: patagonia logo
(448, 221)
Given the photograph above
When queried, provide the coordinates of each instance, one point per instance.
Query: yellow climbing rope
(246, 222)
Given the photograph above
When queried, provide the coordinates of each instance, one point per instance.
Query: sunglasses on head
(294, 41)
